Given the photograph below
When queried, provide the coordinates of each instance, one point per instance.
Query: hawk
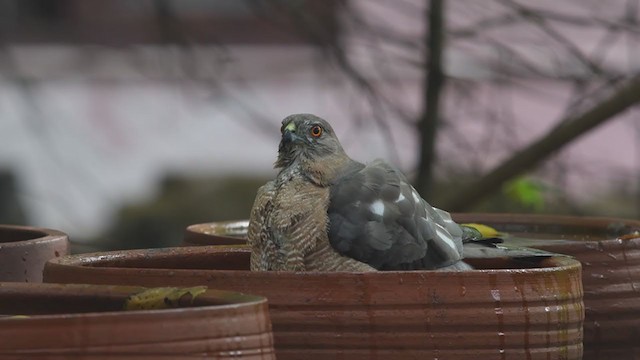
(327, 212)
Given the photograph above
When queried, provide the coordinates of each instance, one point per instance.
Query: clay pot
(24, 250)
(611, 269)
(507, 312)
(611, 272)
(88, 322)
(216, 233)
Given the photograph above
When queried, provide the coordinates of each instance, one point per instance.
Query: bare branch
(483, 25)
(433, 88)
(540, 22)
(557, 138)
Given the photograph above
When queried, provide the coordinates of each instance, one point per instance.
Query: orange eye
(316, 131)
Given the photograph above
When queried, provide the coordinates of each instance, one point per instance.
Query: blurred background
(122, 122)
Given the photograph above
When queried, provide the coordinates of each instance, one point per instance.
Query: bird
(327, 212)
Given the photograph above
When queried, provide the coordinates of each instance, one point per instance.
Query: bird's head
(308, 141)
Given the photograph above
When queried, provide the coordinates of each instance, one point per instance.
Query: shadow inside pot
(55, 299)
(237, 257)
(11, 234)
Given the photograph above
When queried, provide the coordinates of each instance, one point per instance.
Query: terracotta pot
(611, 272)
(88, 322)
(24, 250)
(216, 233)
(501, 313)
(611, 266)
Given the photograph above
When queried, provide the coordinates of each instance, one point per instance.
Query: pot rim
(240, 300)
(48, 235)
(586, 221)
(226, 223)
(554, 264)
(563, 218)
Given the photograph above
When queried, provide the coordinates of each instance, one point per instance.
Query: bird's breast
(299, 200)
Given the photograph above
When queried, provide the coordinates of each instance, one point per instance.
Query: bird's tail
(482, 241)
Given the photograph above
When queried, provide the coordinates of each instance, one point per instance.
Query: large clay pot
(610, 260)
(52, 321)
(24, 250)
(609, 250)
(507, 312)
(216, 233)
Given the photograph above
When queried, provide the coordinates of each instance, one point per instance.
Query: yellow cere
(291, 126)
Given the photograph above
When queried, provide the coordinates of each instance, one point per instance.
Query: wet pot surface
(53, 321)
(609, 250)
(606, 247)
(507, 312)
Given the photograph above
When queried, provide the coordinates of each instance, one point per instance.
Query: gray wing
(377, 217)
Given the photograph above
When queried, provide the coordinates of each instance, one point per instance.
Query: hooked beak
(289, 134)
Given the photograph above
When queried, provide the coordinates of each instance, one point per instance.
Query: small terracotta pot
(500, 313)
(216, 233)
(24, 250)
(611, 272)
(88, 322)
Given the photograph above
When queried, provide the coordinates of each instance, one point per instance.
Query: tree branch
(567, 131)
(541, 23)
(433, 86)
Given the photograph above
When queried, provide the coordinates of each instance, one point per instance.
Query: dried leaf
(162, 298)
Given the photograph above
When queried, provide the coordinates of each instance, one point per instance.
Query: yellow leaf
(161, 298)
(485, 230)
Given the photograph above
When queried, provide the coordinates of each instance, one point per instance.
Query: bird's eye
(316, 131)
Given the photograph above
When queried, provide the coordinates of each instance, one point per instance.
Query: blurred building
(101, 99)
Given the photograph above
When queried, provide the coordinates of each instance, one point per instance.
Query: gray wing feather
(377, 217)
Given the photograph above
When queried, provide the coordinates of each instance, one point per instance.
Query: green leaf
(525, 191)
